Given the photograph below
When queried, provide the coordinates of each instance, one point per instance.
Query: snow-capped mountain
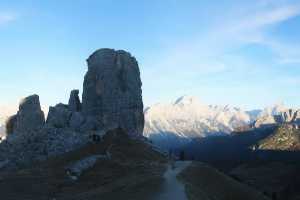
(277, 114)
(177, 123)
(273, 110)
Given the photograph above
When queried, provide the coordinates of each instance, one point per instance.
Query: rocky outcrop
(287, 116)
(290, 115)
(74, 101)
(30, 117)
(112, 98)
(112, 94)
(59, 116)
(67, 116)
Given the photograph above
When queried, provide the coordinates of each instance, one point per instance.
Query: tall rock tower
(112, 94)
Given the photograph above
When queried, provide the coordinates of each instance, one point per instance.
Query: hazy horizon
(248, 56)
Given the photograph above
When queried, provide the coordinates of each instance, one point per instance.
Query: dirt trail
(172, 188)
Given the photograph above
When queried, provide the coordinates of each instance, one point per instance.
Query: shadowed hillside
(265, 159)
(206, 183)
(132, 172)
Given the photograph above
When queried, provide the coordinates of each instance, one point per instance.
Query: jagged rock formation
(59, 116)
(282, 116)
(30, 117)
(74, 101)
(112, 98)
(67, 116)
(112, 92)
(289, 115)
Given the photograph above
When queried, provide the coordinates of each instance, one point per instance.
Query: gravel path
(172, 189)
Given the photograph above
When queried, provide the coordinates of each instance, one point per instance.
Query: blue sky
(243, 53)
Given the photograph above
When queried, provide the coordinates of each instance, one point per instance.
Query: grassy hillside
(285, 138)
(272, 178)
(264, 159)
(206, 183)
(134, 171)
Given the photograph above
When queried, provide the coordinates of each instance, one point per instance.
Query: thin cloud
(270, 17)
(215, 50)
(286, 53)
(234, 32)
(254, 29)
(252, 26)
(6, 18)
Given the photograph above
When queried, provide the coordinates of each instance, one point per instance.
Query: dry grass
(134, 172)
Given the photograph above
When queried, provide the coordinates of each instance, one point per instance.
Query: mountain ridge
(170, 124)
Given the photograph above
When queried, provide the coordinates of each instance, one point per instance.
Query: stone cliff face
(112, 91)
(112, 98)
(30, 117)
(66, 116)
(74, 101)
(59, 116)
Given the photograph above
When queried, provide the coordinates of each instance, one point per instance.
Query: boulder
(30, 116)
(112, 91)
(59, 116)
(74, 101)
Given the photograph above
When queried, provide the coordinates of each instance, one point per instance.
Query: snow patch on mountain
(273, 110)
(188, 118)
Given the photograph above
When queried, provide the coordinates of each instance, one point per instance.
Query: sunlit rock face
(30, 116)
(112, 92)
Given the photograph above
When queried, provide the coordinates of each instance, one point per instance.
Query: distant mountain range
(175, 124)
